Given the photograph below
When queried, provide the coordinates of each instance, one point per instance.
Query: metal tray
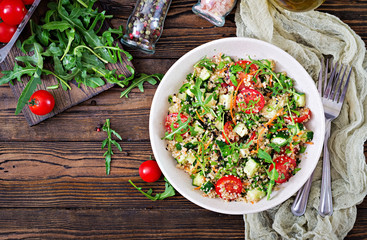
(6, 48)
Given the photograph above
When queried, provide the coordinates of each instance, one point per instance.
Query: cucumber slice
(251, 168)
(227, 59)
(219, 125)
(190, 158)
(255, 194)
(182, 96)
(225, 101)
(241, 129)
(300, 99)
(280, 141)
(198, 180)
(307, 136)
(207, 187)
(296, 128)
(205, 74)
(212, 101)
(273, 106)
(181, 159)
(198, 128)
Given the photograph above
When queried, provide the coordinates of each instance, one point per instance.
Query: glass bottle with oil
(298, 5)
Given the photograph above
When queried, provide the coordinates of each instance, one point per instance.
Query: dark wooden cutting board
(63, 99)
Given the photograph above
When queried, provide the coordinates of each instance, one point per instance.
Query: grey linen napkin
(308, 37)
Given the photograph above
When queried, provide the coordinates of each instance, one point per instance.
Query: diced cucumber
(273, 106)
(307, 136)
(227, 59)
(174, 108)
(207, 187)
(225, 101)
(212, 101)
(280, 141)
(244, 152)
(190, 157)
(198, 128)
(219, 125)
(240, 129)
(198, 180)
(251, 167)
(300, 99)
(182, 159)
(188, 91)
(205, 74)
(295, 128)
(255, 194)
(182, 96)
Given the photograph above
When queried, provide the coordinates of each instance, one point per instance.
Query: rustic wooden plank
(67, 174)
(112, 223)
(63, 99)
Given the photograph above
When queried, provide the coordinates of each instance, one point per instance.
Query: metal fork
(332, 95)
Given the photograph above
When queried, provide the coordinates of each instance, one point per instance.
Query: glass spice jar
(214, 11)
(145, 24)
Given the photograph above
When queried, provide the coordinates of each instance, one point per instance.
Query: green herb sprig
(273, 174)
(108, 142)
(168, 192)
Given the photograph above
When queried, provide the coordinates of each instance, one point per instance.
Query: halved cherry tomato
(41, 102)
(284, 165)
(172, 118)
(229, 187)
(228, 133)
(149, 171)
(304, 116)
(250, 101)
(245, 63)
(12, 12)
(6, 32)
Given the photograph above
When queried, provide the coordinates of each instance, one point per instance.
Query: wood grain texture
(63, 99)
(52, 177)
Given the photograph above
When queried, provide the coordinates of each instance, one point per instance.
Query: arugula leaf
(108, 142)
(168, 192)
(138, 82)
(28, 90)
(273, 174)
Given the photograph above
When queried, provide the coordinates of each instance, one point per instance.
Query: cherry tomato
(41, 102)
(250, 100)
(228, 132)
(304, 116)
(149, 171)
(6, 32)
(245, 63)
(12, 12)
(229, 187)
(172, 118)
(28, 2)
(284, 165)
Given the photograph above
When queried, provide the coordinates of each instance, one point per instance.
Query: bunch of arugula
(69, 39)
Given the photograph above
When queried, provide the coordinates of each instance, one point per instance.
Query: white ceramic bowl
(241, 48)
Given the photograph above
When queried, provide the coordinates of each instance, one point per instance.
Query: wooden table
(52, 176)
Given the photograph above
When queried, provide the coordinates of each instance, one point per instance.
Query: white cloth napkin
(308, 37)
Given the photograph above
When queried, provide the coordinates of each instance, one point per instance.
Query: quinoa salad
(237, 128)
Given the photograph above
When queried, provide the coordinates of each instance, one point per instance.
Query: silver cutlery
(332, 94)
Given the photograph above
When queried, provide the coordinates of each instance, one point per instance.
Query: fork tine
(325, 78)
(319, 88)
(336, 81)
(345, 87)
(330, 81)
(337, 92)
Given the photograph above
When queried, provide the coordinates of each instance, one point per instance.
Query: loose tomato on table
(41, 102)
(173, 118)
(250, 100)
(229, 187)
(12, 12)
(6, 32)
(304, 116)
(149, 171)
(284, 165)
(228, 133)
